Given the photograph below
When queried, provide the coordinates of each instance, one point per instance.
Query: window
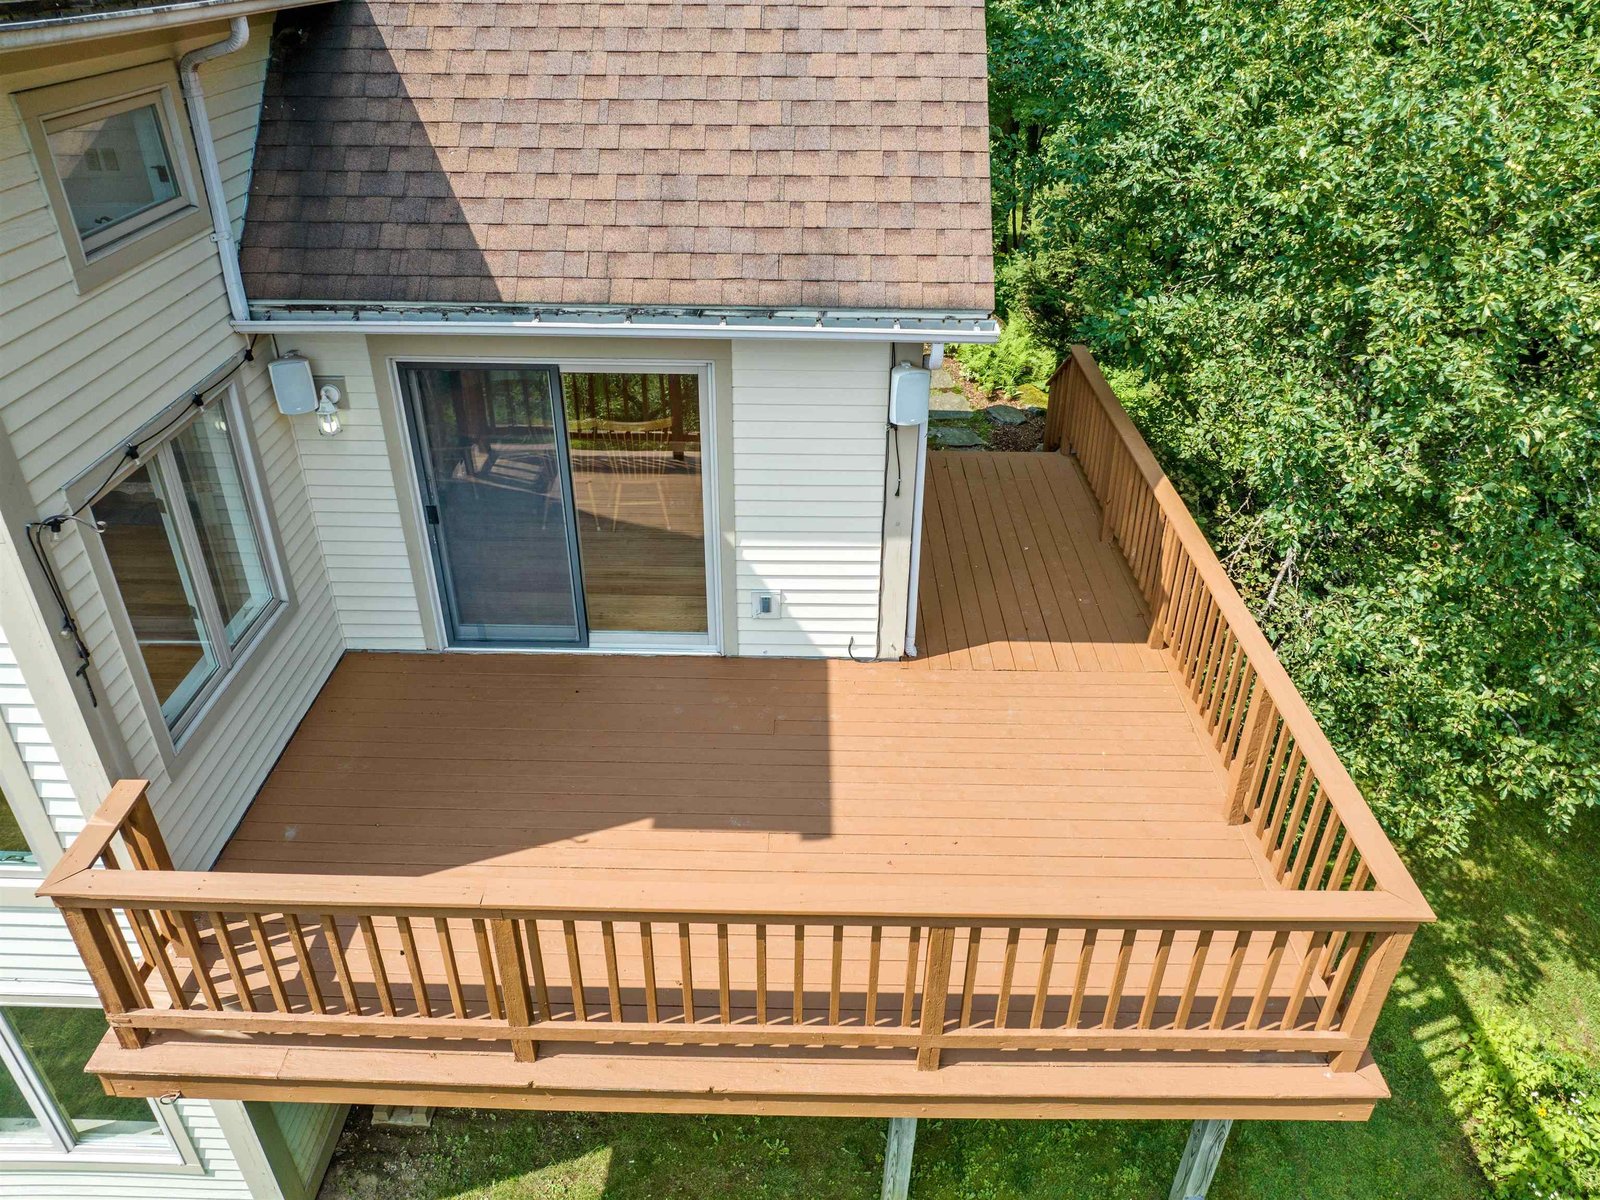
(49, 1105)
(117, 166)
(14, 850)
(184, 544)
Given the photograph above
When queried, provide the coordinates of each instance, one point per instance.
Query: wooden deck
(705, 884)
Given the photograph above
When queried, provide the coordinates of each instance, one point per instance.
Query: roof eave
(77, 27)
(670, 321)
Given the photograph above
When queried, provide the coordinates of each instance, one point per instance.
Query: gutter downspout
(194, 99)
(935, 360)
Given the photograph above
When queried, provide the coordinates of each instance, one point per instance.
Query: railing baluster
(799, 1007)
(1080, 984)
(724, 984)
(1269, 974)
(874, 965)
(1119, 979)
(608, 938)
(647, 952)
(1302, 981)
(913, 960)
(380, 975)
(408, 950)
(969, 976)
(541, 978)
(1191, 985)
(155, 952)
(1230, 981)
(341, 966)
(269, 962)
(1041, 991)
(302, 958)
(580, 1007)
(1158, 971)
(452, 970)
(836, 979)
(491, 984)
(1008, 968)
(761, 975)
(686, 958)
(230, 955)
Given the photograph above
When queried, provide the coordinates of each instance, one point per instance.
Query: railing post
(514, 985)
(1372, 989)
(1252, 745)
(935, 994)
(92, 931)
(1055, 412)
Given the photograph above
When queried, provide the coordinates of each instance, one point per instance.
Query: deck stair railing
(1292, 973)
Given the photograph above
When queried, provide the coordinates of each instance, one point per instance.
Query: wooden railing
(1285, 780)
(1292, 972)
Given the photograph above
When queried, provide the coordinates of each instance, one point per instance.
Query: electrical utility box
(908, 394)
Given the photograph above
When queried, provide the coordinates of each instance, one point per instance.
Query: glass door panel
(490, 448)
(638, 495)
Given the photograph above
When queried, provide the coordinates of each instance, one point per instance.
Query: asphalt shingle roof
(826, 153)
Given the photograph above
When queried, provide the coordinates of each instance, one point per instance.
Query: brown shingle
(826, 153)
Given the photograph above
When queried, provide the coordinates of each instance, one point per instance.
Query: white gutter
(75, 27)
(984, 330)
(194, 99)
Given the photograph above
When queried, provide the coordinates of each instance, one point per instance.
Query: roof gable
(825, 154)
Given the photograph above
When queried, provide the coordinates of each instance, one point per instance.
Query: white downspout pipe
(918, 487)
(194, 99)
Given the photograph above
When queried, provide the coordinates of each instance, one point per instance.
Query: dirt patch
(1028, 435)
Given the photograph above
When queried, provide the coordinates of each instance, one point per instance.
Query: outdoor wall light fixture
(328, 422)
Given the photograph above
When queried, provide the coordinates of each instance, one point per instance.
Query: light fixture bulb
(328, 423)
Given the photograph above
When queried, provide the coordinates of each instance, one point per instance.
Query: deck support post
(897, 1158)
(1199, 1161)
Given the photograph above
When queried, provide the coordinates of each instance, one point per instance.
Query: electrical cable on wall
(131, 452)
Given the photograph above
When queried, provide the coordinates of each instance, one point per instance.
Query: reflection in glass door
(638, 494)
(498, 497)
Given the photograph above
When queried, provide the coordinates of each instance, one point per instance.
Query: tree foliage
(1355, 251)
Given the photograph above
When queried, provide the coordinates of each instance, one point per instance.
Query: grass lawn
(1519, 929)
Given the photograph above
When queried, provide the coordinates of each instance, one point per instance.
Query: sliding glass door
(564, 508)
(638, 487)
(498, 499)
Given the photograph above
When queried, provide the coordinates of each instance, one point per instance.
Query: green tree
(1354, 249)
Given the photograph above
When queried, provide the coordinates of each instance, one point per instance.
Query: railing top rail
(1388, 870)
(97, 833)
(1115, 906)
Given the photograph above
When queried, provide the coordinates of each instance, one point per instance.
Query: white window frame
(157, 456)
(97, 258)
(58, 1146)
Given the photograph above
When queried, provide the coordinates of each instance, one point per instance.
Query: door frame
(427, 487)
(710, 467)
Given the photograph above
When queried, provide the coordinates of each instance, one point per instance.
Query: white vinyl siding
(85, 373)
(80, 369)
(809, 438)
(356, 499)
(306, 1129)
(26, 729)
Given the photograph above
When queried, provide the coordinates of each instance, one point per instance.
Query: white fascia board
(811, 325)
